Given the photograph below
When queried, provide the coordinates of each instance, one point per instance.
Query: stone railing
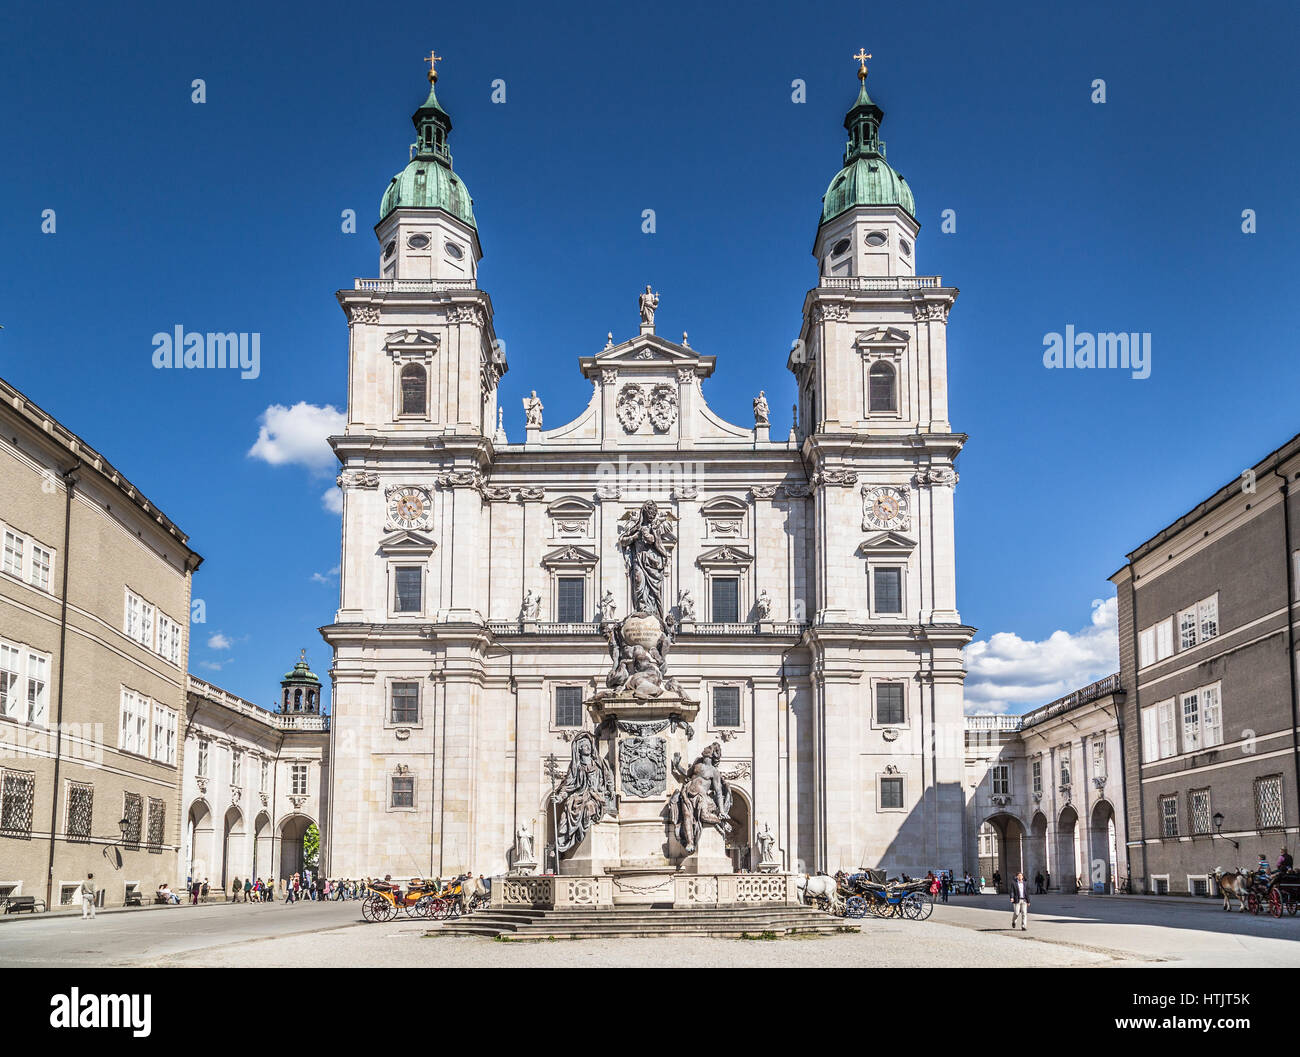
(281, 720)
(725, 889)
(1092, 692)
(414, 286)
(542, 627)
(757, 627)
(881, 282)
(293, 721)
(1000, 723)
(524, 892)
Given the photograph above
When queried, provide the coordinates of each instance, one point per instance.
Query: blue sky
(1123, 216)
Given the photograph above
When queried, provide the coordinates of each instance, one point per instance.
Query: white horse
(813, 888)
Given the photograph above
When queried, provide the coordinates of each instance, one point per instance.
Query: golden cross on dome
(862, 56)
(304, 655)
(433, 59)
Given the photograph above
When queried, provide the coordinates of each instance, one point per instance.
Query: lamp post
(1218, 829)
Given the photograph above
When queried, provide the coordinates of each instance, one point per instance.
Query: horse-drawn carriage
(870, 892)
(422, 898)
(1280, 894)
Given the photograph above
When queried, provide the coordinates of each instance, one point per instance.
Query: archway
(1102, 850)
(1039, 860)
(738, 841)
(232, 848)
(199, 838)
(293, 830)
(263, 847)
(1007, 848)
(1068, 857)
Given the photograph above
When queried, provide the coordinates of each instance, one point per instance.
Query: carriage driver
(1284, 863)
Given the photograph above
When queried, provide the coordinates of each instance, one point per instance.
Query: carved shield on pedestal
(643, 765)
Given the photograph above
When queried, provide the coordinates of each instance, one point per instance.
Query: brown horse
(1234, 885)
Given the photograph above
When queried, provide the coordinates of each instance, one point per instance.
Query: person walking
(1038, 883)
(88, 897)
(1047, 880)
(1019, 902)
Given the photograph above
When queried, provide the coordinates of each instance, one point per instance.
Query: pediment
(570, 506)
(408, 542)
(892, 542)
(724, 504)
(881, 336)
(733, 557)
(647, 350)
(570, 557)
(411, 342)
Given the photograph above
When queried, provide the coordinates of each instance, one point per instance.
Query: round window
(841, 247)
(905, 246)
(388, 250)
(454, 251)
(877, 238)
(418, 242)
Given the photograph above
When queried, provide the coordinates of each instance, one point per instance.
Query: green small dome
(867, 182)
(300, 674)
(428, 182)
(866, 179)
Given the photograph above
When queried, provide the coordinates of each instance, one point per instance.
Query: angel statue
(585, 794)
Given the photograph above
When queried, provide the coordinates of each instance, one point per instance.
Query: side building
(256, 781)
(94, 606)
(1045, 791)
(1207, 611)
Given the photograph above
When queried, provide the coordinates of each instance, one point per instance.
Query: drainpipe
(1290, 627)
(69, 482)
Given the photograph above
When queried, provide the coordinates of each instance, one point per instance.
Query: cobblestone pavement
(970, 933)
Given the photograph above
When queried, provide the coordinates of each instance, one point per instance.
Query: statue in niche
(532, 606)
(704, 798)
(585, 794)
(763, 604)
(608, 607)
(646, 539)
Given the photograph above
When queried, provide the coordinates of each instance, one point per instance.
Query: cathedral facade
(809, 579)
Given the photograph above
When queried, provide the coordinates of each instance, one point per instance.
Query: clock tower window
(883, 392)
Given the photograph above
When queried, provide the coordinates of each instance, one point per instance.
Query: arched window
(414, 390)
(297, 700)
(882, 395)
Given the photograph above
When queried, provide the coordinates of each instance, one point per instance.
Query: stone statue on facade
(648, 302)
(585, 794)
(762, 414)
(704, 798)
(766, 846)
(533, 411)
(531, 609)
(646, 538)
(638, 651)
(523, 857)
(686, 605)
(763, 605)
(608, 607)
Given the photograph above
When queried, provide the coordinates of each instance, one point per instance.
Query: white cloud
(299, 435)
(332, 500)
(212, 666)
(218, 641)
(324, 578)
(1009, 674)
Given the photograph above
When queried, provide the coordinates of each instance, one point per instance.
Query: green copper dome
(428, 181)
(866, 179)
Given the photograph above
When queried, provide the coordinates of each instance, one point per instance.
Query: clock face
(885, 508)
(408, 507)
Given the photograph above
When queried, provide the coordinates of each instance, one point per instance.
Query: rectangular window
(1001, 780)
(1211, 717)
(203, 758)
(1207, 613)
(10, 668)
(1167, 740)
(157, 821)
(726, 599)
(38, 691)
(132, 811)
(1099, 757)
(1198, 804)
(403, 791)
(132, 621)
(1268, 802)
(1165, 639)
(299, 779)
(1187, 629)
(406, 589)
(81, 810)
(1150, 735)
(159, 725)
(1191, 722)
(569, 600)
(1038, 777)
(170, 756)
(1065, 770)
(17, 794)
(134, 733)
(146, 625)
(13, 553)
(891, 793)
(887, 589)
(889, 704)
(1169, 816)
(568, 706)
(42, 562)
(726, 706)
(1146, 647)
(169, 639)
(406, 702)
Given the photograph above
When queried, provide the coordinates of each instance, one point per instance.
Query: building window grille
(17, 794)
(1169, 816)
(1268, 802)
(133, 804)
(157, 822)
(81, 810)
(1199, 803)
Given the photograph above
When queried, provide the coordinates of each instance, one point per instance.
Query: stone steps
(626, 922)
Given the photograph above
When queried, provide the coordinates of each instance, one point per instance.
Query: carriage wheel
(424, 906)
(1275, 903)
(370, 908)
(441, 908)
(927, 908)
(916, 907)
(855, 907)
